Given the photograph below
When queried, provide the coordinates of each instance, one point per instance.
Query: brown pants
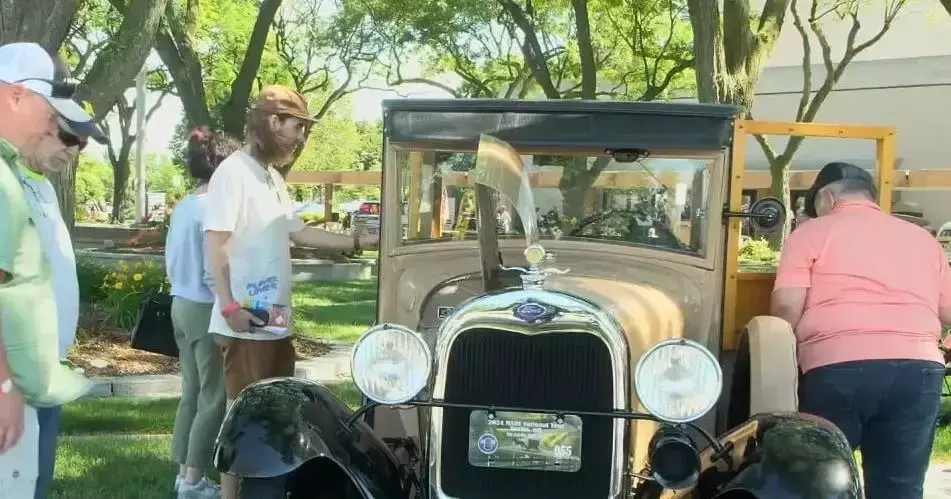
(247, 361)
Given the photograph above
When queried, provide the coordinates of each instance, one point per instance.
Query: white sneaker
(204, 489)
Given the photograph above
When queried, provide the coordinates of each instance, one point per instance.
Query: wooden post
(885, 169)
(729, 338)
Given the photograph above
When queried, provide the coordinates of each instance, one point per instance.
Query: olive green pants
(202, 406)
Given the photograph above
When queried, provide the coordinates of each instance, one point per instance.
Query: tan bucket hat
(278, 99)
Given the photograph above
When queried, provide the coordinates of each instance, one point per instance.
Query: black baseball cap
(833, 172)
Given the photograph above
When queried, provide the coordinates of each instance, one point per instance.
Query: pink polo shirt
(875, 284)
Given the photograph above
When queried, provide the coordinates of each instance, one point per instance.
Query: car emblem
(534, 313)
(488, 444)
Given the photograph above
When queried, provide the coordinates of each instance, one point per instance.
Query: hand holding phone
(261, 315)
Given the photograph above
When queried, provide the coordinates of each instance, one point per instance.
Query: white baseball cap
(28, 64)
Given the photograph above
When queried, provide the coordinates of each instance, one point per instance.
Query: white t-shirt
(58, 249)
(185, 261)
(253, 204)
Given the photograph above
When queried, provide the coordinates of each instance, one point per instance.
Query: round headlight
(390, 364)
(678, 380)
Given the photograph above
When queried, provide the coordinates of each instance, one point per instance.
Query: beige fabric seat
(774, 371)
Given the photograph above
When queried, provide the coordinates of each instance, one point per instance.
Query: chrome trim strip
(495, 311)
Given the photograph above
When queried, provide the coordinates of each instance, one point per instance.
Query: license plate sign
(524, 440)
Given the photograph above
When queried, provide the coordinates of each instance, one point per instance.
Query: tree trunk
(64, 183)
(120, 61)
(589, 72)
(235, 110)
(779, 188)
(174, 46)
(42, 21)
(729, 53)
(707, 47)
(115, 66)
(120, 181)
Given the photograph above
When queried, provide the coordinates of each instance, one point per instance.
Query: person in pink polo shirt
(867, 293)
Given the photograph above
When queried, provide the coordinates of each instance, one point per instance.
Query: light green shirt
(28, 320)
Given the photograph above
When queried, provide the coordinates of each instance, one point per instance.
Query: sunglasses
(70, 140)
(59, 89)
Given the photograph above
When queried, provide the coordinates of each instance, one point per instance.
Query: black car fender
(276, 426)
(796, 456)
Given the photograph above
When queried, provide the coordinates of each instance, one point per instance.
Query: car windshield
(659, 203)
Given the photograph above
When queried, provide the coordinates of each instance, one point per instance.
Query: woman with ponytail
(202, 405)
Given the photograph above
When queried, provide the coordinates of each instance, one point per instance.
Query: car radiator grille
(564, 371)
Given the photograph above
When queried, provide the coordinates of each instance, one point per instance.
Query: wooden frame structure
(755, 288)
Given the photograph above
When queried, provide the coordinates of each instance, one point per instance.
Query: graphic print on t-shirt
(275, 316)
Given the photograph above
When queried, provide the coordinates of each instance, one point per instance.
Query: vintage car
(572, 345)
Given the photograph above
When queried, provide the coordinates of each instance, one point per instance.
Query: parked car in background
(362, 213)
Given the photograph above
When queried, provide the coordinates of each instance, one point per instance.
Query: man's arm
(793, 277)
(788, 304)
(944, 298)
(216, 249)
(221, 206)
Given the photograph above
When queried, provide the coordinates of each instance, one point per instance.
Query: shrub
(757, 250)
(111, 296)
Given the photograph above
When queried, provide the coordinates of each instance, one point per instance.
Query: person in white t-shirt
(249, 223)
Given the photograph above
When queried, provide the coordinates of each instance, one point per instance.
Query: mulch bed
(109, 354)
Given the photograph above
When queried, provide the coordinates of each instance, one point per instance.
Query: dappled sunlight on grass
(334, 310)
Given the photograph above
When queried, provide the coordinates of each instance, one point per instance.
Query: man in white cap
(41, 131)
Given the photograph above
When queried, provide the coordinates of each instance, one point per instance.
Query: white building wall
(913, 95)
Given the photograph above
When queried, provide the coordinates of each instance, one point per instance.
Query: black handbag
(153, 328)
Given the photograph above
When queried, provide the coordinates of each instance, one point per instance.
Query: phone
(259, 313)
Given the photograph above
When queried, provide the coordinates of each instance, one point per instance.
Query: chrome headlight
(390, 364)
(678, 380)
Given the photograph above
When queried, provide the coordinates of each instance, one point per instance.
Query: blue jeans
(886, 408)
(48, 418)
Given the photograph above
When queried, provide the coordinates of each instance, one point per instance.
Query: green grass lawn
(334, 310)
(120, 447)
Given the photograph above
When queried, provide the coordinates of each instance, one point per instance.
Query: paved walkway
(938, 481)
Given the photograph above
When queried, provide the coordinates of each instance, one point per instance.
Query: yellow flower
(118, 285)
(137, 277)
